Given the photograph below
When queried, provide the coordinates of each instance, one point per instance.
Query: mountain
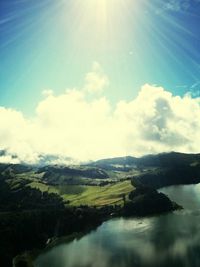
(157, 171)
(159, 160)
(154, 170)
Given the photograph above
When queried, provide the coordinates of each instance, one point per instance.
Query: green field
(89, 195)
(92, 195)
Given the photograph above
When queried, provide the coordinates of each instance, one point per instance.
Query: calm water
(170, 240)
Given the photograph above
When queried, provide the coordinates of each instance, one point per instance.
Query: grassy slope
(77, 194)
(89, 195)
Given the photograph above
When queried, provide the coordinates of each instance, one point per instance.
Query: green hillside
(89, 195)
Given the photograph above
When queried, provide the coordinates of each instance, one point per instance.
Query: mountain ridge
(156, 170)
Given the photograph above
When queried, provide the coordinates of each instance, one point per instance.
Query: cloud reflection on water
(168, 240)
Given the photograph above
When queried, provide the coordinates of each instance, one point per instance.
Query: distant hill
(70, 175)
(158, 160)
(155, 170)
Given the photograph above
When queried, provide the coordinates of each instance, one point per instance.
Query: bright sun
(99, 24)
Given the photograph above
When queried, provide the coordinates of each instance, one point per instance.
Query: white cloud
(47, 92)
(70, 125)
(96, 80)
(10, 159)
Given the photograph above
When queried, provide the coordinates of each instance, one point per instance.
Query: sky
(89, 79)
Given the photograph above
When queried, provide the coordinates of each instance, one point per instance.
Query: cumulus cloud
(47, 92)
(96, 80)
(70, 125)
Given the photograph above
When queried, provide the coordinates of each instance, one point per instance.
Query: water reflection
(168, 240)
(186, 195)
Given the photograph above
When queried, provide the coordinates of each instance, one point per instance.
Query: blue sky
(52, 44)
(91, 79)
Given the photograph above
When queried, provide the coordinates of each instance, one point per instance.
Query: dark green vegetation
(146, 201)
(38, 203)
(157, 170)
(33, 210)
(29, 217)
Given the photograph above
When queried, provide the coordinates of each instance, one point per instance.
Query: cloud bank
(88, 128)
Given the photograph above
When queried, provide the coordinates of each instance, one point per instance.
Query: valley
(52, 201)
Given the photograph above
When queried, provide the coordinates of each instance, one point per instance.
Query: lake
(169, 240)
